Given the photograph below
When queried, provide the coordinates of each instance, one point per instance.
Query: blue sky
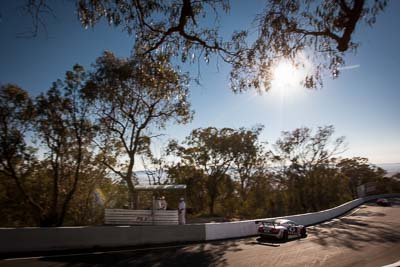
(363, 104)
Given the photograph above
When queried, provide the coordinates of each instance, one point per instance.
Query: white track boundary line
(354, 211)
(396, 264)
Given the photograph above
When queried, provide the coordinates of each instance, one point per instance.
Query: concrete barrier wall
(215, 231)
(62, 238)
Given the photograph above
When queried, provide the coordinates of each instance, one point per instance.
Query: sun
(285, 76)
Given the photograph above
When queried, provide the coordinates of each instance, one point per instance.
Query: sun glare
(286, 76)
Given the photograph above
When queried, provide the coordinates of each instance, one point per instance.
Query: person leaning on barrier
(182, 211)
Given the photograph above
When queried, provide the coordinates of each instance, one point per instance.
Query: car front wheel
(303, 233)
(285, 236)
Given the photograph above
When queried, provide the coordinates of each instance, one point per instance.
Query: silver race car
(281, 228)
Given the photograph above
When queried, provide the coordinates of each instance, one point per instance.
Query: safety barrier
(63, 238)
(215, 231)
(67, 238)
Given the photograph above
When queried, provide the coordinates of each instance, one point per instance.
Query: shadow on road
(272, 242)
(199, 255)
(368, 214)
(354, 233)
(265, 242)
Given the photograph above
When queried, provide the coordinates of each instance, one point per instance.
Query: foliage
(16, 157)
(62, 132)
(214, 152)
(359, 171)
(240, 177)
(120, 105)
(227, 171)
(303, 150)
(194, 179)
(132, 98)
(321, 31)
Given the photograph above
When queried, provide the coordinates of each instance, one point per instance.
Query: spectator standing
(157, 203)
(163, 203)
(182, 211)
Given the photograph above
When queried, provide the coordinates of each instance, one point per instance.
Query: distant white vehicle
(281, 229)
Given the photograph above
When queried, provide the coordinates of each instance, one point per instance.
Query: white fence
(140, 217)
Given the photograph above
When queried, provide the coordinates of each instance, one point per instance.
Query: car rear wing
(265, 221)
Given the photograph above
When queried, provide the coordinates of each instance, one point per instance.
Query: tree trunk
(49, 220)
(211, 205)
(212, 191)
(131, 193)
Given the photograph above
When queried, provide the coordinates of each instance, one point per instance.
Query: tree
(250, 160)
(58, 124)
(17, 161)
(131, 98)
(215, 152)
(324, 30)
(305, 150)
(359, 171)
(263, 197)
(304, 157)
(321, 31)
(195, 180)
(65, 131)
(95, 191)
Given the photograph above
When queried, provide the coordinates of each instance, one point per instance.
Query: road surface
(367, 236)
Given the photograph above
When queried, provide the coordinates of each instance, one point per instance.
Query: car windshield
(268, 223)
(280, 222)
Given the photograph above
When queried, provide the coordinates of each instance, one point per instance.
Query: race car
(383, 202)
(281, 229)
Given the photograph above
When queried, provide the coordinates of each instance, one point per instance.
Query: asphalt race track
(367, 236)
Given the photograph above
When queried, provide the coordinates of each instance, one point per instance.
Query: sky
(362, 104)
